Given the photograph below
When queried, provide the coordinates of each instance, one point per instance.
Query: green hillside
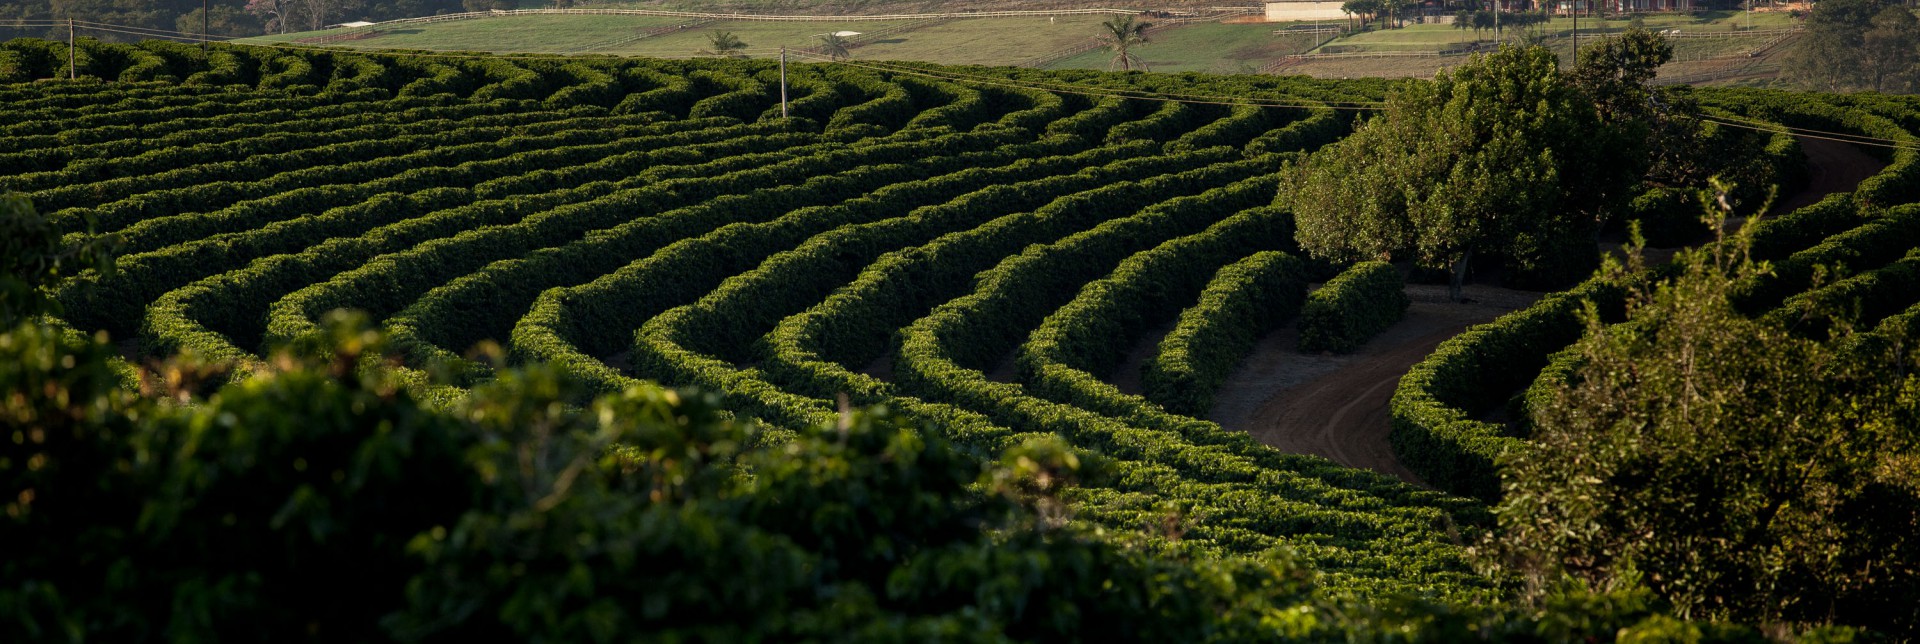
(640, 350)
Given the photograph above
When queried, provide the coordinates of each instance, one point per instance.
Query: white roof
(357, 23)
(846, 34)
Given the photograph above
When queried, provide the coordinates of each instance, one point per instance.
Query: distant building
(1624, 6)
(1298, 10)
(1639, 6)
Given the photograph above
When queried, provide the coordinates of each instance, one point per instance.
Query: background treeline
(228, 17)
(1856, 45)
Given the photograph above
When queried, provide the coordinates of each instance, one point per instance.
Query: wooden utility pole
(71, 75)
(204, 21)
(783, 82)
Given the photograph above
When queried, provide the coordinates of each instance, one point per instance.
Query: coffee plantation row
(901, 236)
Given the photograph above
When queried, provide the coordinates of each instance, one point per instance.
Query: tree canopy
(33, 257)
(724, 44)
(1503, 155)
(1119, 36)
(835, 46)
(1856, 45)
(1741, 471)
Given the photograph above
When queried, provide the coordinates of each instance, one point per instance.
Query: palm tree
(725, 45)
(1121, 34)
(835, 46)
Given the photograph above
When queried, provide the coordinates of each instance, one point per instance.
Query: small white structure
(846, 34)
(1299, 10)
(350, 25)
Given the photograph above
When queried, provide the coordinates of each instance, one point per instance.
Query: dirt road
(1832, 167)
(1336, 405)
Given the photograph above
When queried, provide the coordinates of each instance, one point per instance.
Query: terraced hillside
(979, 248)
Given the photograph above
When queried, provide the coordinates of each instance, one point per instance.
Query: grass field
(985, 41)
(1434, 36)
(1204, 47)
(981, 41)
(1210, 47)
(543, 34)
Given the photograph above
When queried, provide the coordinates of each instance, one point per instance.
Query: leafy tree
(1504, 155)
(225, 21)
(34, 257)
(1890, 50)
(1739, 471)
(1120, 35)
(1616, 72)
(273, 14)
(724, 44)
(1400, 10)
(1483, 20)
(1367, 10)
(1833, 53)
(835, 46)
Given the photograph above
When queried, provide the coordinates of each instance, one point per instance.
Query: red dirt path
(1336, 405)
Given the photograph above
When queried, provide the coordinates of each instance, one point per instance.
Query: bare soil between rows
(1336, 405)
(1832, 167)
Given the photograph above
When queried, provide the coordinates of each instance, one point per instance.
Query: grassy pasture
(985, 41)
(1208, 47)
(541, 34)
(1204, 47)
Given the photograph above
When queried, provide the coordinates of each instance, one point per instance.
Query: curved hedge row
(1863, 247)
(203, 315)
(1436, 408)
(1243, 301)
(389, 283)
(1861, 300)
(897, 238)
(445, 320)
(1353, 307)
(143, 276)
(1092, 333)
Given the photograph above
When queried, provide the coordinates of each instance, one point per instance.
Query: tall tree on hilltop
(1889, 50)
(1120, 35)
(1833, 53)
(1503, 155)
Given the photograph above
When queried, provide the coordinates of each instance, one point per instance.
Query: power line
(1732, 120)
(1775, 128)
